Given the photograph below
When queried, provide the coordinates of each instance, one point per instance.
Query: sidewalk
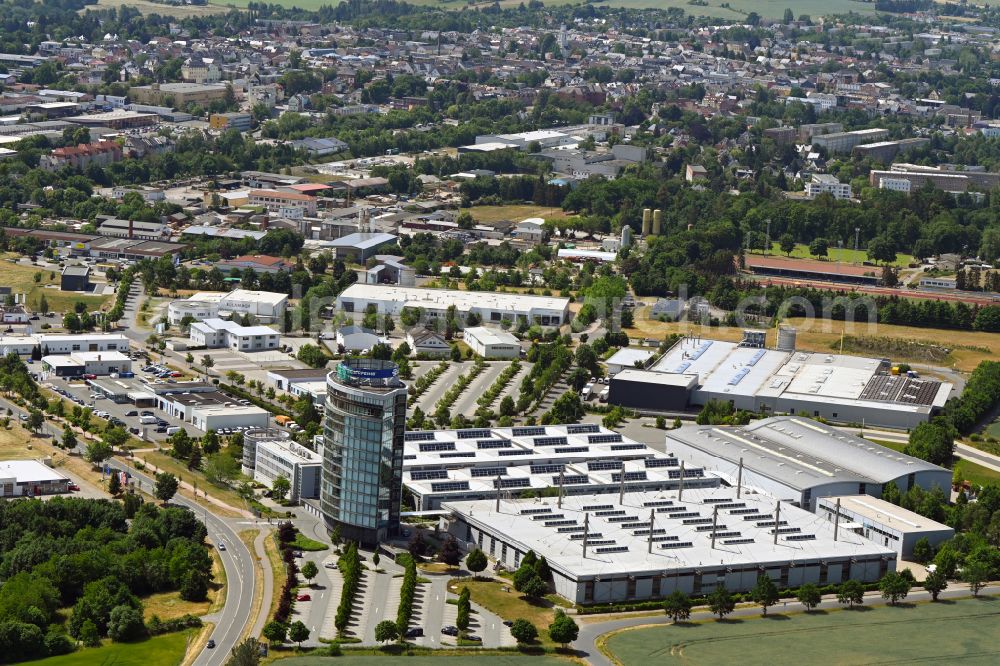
(211, 499)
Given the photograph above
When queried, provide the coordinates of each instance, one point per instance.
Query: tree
(882, 248)
(88, 634)
(476, 561)
(298, 632)
(97, 452)
(935, 583)
(933, 442)
(788, 17)
(456, 354)
(245, 653)
(376, 558)
(166, 486)
(114, 483)
(535, 588)
(563, 629)
(764, 593)
(894, 587)
(207, 362)
(819, 247)
(309, 571)
(385, 631)
(851, 593)
(280, 488)
(68, 438)
(125, 624)
(523, 631)
(450, 553)
(720, 601)
(43, 305)
(275, 632)
(809, 596)
(312, 356)
(975, 573)
(35, 420)
(677, 606)
(221, 467)
(923, 551)
(787, 244)
(195, 586)
(115, 437)
(417, 545)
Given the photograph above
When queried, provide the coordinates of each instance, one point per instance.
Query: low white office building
(264, 306)
(30, 478)
(627, 358)
(825, 182)
(434, 303)
(302, 467)
(84, 342)
(216, 333)
(22, 345)
(358, 339)
(883, 522)
(492, 342)
(78, 364)
(653, 543)
(216, 417)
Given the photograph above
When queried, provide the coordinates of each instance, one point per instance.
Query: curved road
(236, 614)
(586, 642)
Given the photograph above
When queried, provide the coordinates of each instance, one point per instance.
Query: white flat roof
(28, 471)
(88, 356)
(420, 297)
(270, 297)
(490, 336)
(60, 360)
(207, 296)
(885, 513)
(214, 324)
(804, 538)
(627, 356)
(220, 410)
(289, 450)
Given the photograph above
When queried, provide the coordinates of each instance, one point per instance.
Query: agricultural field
(514, 212)
(426, 660)
(964, 631)
(733, 10)
(180, 11)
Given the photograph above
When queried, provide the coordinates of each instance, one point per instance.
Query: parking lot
(466, 404)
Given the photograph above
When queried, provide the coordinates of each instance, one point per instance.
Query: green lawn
(966, 632)
(165, 650)
(976, 474)
(848, 255)
(895, 446)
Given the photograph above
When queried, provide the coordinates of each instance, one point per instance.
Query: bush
(523, 631)
(350, 567)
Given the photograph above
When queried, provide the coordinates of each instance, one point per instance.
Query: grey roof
(363, 240)
(76, 270)
(801, 453)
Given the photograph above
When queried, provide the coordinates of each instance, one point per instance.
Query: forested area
(83, 555)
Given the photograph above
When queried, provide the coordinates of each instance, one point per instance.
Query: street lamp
(857, 233)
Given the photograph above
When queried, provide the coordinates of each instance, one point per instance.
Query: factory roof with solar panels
(837, 387)
(585, 458)
(712, 534)
(799, 459)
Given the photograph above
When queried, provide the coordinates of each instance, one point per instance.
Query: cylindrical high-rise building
(657, 222)
(647, 221)
(362, 481)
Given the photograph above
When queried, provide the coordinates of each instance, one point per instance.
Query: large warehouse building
(492, 307)
(600, 550)
(264, 306)
(846, 389)
(586, 459)
(799, 460)
(882, 522)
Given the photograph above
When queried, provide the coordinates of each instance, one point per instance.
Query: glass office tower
(363, 427)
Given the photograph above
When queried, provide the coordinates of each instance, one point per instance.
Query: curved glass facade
(363, 426)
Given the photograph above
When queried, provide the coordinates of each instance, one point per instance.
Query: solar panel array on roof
(650, 463)
(550, 441)
(472, 434)
(514, 452)
(572, 449)
(530, 431)
(449, 485)
(572, 478)
(628, 447)
(580, 428)
(604, 465)
(488, 471)
(547, 469)
(437, 446)
(901, 389)
(424, 475)
(493, 444)
(420, 436)
(604, 439)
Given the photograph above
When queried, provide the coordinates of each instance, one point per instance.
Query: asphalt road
(238, 562)
(586, 642)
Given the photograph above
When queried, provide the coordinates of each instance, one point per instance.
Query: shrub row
(423, 383)
(464, 609)
(449, 398)
(256, 400)
(285, 536)
(350, 567)
(406, 593)
(494, 391)
(156, 626)
(657, 604)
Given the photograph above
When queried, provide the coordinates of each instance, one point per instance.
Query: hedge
(350, 566)
(406, 593)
